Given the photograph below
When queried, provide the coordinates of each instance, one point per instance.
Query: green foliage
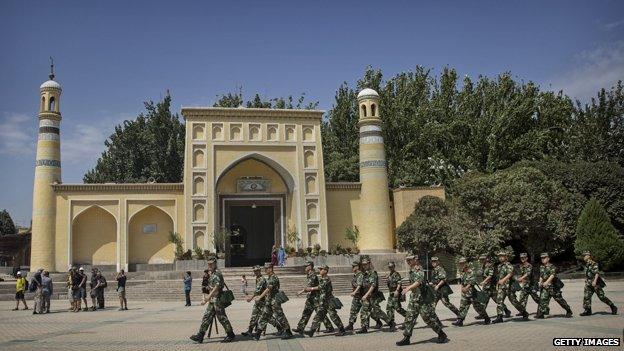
(151, 147)
(353, 235)
(6, 223)
(292, 237)
(176, 239)
(219, 238)
(594, 232)
(236, 100)
(199, 253)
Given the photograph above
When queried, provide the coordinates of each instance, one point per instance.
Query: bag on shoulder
(515, 286)
(482, 296)
(380, 295)
(445, 290)
(26, 288)
(557, 284)
(336, 303)
(427, 294)
(281, 297)
(32, 286)
(226, 298)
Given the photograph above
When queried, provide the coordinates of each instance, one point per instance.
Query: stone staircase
(168, 286)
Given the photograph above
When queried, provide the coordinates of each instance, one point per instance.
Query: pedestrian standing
(274, 256)
(82, 288)
(121, 290)
(281, 256)
(38, 289)
(188, 282)
(102, 284)
(93, 285)
(47, 291)
(20, 289)
(244, 285)
(76, 281)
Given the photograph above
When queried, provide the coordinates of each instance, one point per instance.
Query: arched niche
(199, 159)
(198, 213)
(94, 237)
(254, 133)
(290, 133)
(236, 133)
(272, 133)
(308, 134)
(199, 239)
(148, 237)
(198, 132)
(217, 132)
(311, 185)
(312, 211)
(199, 186)
(309, 159)
(313, 237)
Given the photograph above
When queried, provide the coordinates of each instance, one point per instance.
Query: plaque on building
(253, 184)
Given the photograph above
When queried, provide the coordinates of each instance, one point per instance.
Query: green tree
(237, 100)
(427, 228)
(6, 223)
(594, 232)
(149, 147)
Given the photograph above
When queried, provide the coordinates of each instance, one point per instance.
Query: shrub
(199, 253)
(176, 239)
(353, 235)
(594, 232)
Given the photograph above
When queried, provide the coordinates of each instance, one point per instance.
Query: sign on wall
(253, 184)
(149, 228)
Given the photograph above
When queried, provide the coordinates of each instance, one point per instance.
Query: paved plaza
(167, 326)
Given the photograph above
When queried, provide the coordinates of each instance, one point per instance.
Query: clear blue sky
(113, 55)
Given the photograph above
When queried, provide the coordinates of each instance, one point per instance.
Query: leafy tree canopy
(6, 223)
(594, 232)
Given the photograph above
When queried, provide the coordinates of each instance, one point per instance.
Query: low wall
(379, 261)
(196, 265)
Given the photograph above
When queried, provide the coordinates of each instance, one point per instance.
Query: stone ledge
(121, 186)
(190, 112)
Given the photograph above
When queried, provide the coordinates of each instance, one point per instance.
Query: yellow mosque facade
(256, 173)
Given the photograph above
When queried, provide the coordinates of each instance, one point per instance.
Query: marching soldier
(356, 302)
(311, 301)
(504, 290)
(325, 305)
(256, 311)
(216, 284)
(272, 306)
(550, 286)
(526, 281)
(394, 295)
(418, 305)
(488, 284)
(594, 284)
(371, 298)
(468, 282)
(440, 286)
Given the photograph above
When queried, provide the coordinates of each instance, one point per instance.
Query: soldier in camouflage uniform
(468, 282)
(256, 311)
(311, 301)
(216, 283)
(394, 295)
(548, 282)
(272, 307)
(504, 289)
(525, 278)
(325, 305)
(356, 302)
(593, 284)
(417, 305)
(438, 281)
(371, 298)
(488, 283)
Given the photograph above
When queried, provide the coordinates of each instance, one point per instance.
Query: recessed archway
(148, 237)
(94, 237)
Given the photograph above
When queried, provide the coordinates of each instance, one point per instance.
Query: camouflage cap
(256, 268)
(586, 253)
(502, 253)
(409, 257)
(462, 260)
(483, 257)
(324, 267)
(212, 260)
(391, 264)
(309, 263)
(365, 260)
(268, 265)
(434, 258)
(355, 264)
(523, 255)
(544, 254)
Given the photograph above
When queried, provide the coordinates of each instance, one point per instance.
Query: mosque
(256, 172)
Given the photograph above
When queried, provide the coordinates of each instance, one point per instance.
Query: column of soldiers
(477, 286)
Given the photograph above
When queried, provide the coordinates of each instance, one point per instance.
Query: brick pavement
(167, 325)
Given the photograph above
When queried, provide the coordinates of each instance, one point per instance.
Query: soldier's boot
(519, 314)
(587, 312)
(479, 317)
(525, 315)
(341, 331)
(613, 309)
(229, 337)
(442, 338)
(198, 338)
(392, 325)
(459, 322)
(539, 315)
(362, 330)
(280, 332)
(257, 334)
(298, 331)
(329, 330)
(309, 333)
(403, 342)
(568, 313)
(349, 327)
(378, 325)
(499, 319)
(507, 313)
(287, 334)
(487, 320)
(248, 332)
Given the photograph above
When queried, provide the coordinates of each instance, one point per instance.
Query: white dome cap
(367, 93)
(50, 84)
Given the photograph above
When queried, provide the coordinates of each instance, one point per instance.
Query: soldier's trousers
(324, 311)
(214, 309)
(371, 309)
(256, 312)
(545, 295)
(524, 296)
(426, 311)
(504, 291)
(464, 306)
(356, 306)
(446, 302)
(589, 291)
(309, 307)
(492, 293)
(272, 309)
(394, 304)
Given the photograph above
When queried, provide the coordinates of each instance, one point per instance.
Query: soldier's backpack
(557, 284)
(226, 297)
(482, 296)
(427, 294)
(515, 286)
(445, 290)
(281, 297)
(336, 303)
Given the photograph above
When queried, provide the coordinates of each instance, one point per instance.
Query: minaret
(47, 172)
(376, 234)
